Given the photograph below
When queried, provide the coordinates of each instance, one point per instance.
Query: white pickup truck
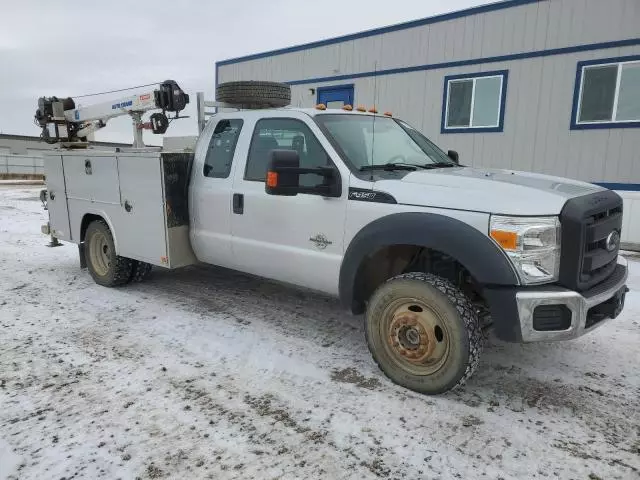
(363, 207)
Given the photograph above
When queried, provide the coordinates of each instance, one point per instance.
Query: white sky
(66, 48)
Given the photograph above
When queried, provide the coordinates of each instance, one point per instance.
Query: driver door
(299, 239)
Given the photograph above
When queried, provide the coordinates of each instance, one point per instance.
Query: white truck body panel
(487, 190)
(57, 201)
(129, 192)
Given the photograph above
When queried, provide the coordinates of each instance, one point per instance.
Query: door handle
(238, 203)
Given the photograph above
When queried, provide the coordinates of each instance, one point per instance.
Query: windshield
(366, 142)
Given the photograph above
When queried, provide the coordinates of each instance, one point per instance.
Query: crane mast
(62, 122)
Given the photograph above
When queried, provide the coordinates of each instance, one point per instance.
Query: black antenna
(373, 135)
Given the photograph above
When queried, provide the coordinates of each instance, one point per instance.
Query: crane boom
(113, 108)
(63, 122)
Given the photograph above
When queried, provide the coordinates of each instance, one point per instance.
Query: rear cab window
(222, 146)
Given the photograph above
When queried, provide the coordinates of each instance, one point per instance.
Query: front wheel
(423, 333)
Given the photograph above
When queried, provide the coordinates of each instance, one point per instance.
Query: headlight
(532, 244)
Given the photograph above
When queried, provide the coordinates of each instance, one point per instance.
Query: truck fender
(478, 253)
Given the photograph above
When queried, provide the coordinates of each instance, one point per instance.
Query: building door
(336, 96)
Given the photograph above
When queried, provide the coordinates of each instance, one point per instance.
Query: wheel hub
(100, 253)
(409, 337)
(417, 336)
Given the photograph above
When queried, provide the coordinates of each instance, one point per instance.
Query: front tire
(423, 333)
(106, 268)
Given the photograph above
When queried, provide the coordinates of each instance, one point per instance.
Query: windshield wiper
(390, 167)
(439, 165)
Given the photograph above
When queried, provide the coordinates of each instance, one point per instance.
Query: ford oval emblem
(613, 240)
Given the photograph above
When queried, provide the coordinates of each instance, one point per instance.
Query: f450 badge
(320, 241)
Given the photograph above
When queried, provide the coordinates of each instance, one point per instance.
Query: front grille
(587, 221)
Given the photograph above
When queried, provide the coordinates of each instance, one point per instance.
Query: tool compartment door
(92, 177)
(57, 197)
(141, 226)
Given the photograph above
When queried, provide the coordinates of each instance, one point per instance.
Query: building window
(474, 102)
(607, 94)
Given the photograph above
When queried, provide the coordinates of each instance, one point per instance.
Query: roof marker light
(321, 106)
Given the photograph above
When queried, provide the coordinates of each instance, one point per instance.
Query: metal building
(550, 86)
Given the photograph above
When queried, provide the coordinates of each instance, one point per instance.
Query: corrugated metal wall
(540, 91)
(21, 165)
(536, 133)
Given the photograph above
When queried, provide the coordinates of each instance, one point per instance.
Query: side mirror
(453, 155)
(283, 176)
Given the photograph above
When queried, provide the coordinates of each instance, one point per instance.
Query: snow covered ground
(204, 373)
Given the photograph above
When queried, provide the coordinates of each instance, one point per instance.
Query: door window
(217, 163)
(287, 134)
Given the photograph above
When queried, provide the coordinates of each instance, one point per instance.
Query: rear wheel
(106, 268)
(423, 333)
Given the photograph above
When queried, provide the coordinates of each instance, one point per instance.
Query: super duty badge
(364, 195)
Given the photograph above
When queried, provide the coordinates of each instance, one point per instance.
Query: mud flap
(83, 261)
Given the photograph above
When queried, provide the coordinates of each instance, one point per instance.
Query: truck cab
(365, 208)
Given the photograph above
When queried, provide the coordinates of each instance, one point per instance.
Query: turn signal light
(321, 106)
(507, 240)
(348, 108)
(272, 179)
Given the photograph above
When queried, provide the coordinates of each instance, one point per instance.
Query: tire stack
(254, 94)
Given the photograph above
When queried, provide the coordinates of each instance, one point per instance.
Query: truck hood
(486, 190)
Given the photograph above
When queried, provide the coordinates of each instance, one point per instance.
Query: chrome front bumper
(579, 305)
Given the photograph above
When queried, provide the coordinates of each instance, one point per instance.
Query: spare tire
(254, 94)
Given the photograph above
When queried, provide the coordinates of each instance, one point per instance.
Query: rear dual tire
(105, 266)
